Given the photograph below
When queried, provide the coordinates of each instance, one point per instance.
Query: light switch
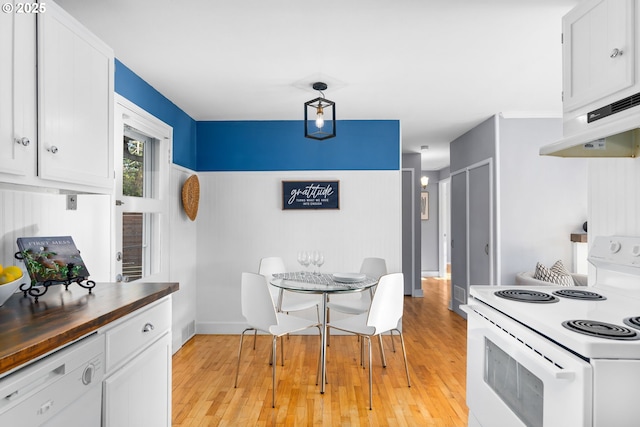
(72, 202)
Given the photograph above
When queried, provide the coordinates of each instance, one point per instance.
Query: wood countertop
(29, 329)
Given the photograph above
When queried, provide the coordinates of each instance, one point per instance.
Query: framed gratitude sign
(310, 195)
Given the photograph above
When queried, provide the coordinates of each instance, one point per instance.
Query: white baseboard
(430, 273)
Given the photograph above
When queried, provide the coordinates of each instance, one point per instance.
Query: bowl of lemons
(10, 280)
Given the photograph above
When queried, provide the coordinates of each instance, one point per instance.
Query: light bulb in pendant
(319, 118)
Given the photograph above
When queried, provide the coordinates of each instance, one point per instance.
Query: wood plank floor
(204, 371)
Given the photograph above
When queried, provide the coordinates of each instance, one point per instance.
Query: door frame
(444, 224)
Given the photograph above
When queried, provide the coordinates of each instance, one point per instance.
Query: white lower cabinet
(137, 385)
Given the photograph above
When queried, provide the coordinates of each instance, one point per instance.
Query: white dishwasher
(62, 389)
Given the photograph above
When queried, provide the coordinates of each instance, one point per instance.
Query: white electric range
(559, 356)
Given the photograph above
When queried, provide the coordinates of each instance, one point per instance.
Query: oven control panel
(612, 251)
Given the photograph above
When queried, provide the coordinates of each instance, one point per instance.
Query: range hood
(618, 138)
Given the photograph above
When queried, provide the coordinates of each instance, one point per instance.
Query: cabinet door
(139, 394)
(598, 51)
(17, 93)
(75, 99)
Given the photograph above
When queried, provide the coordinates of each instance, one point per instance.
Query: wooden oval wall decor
(191, 196)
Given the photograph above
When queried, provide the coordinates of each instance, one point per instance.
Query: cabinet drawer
(137, 332)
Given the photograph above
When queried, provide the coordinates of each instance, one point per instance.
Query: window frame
(157, 257)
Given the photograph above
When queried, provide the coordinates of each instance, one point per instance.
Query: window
(142, 155)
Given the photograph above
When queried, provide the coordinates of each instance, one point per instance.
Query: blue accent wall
(264, 145)
(281, 145)
(131, 86)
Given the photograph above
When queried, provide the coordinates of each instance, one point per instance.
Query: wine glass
(319, 260)
(303, 259)
(313, 257)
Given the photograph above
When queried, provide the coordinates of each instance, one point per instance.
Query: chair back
(271, 265)
(387, 304)
(268, 267)
(257, 305)
(374, 267)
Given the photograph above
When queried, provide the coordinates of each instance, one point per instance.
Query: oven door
(516, 377)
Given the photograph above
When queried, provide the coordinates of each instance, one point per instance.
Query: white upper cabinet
(75, 102)
(56, 101)
(18, 131)
(599, 53)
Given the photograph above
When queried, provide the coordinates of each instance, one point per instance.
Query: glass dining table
(325, 284)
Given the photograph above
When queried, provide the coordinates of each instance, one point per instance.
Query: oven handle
(522, 350)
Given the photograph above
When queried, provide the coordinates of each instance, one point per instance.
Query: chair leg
(370, 375)
(404, 352)
(281, 350)
(235, 385)
(255, 335)
(384, 359)
(393, 343)
(273, 374)
(320, 359)
(326, 314)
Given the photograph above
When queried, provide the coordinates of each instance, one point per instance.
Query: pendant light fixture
(319, 116)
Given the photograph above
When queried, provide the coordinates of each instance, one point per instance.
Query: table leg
(323, 349)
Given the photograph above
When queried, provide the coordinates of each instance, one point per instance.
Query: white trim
(413, 227)
(444, 217)
(131, 114)
(495, 224)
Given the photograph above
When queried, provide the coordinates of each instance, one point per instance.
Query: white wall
(542, 199)
(241, 220)
(27, 213)
(182, 261)
(614, 197)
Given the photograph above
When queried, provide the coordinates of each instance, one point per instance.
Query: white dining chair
(291, 301)
(359, 303)
(260, 313)
(384, 315)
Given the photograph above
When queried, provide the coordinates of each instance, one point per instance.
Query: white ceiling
(439, 66)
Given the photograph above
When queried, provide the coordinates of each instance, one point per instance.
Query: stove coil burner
(634, 322)
(579, 294)
(601, 330)
(525, 295)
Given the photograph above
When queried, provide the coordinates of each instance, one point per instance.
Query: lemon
(15, 271)
(1, 268)
(10, 274)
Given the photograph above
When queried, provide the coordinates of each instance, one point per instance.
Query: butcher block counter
(29, 330)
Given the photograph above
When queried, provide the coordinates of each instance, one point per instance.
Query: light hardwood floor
(204, 371)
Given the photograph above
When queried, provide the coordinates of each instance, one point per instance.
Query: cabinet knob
(24, 141)
(53, 149)
(615, 52)
(148, 328)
